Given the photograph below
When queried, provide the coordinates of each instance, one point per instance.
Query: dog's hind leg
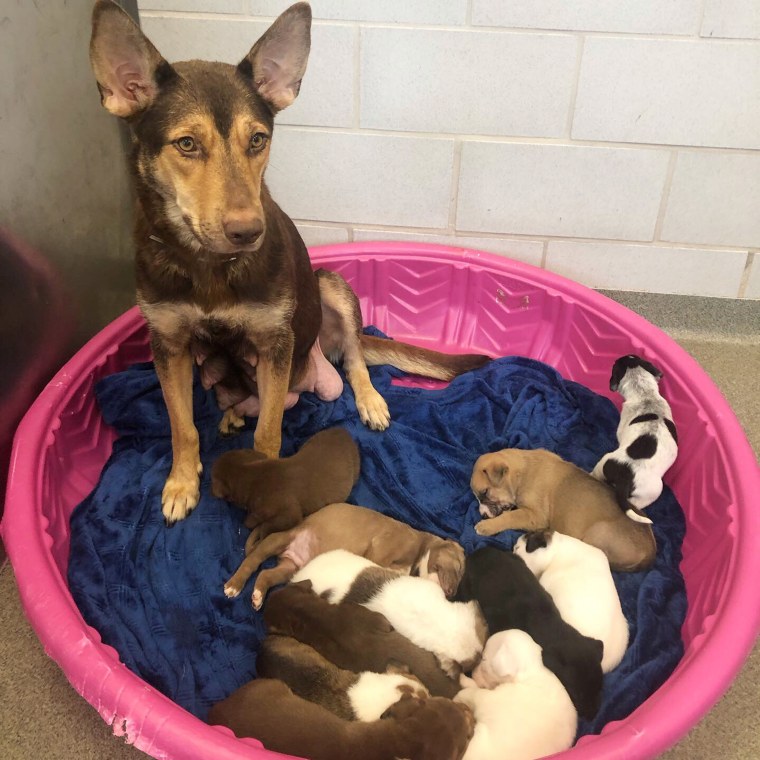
(284, 571)
(256, 553)
(340, 337)
(175, 373)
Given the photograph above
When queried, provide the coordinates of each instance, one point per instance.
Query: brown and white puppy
(416, 607)
(352, 637)
(352, 696)
(415, 729)
(279, 493)
(362, 531)
(536, 490)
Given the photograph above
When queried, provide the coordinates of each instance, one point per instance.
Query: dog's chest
(239, 328)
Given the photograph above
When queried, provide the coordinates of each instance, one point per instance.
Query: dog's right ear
(127, 67)
(277, 62)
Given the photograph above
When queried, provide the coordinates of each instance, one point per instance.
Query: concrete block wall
(613, 142)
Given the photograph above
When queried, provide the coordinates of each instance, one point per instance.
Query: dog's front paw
(179, 498)
(486, 528)
(373, 411)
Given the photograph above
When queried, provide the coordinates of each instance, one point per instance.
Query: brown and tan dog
(279, 493)
(351, 696)
(352, 637)
(415, 729)
(362, 531)
(536, 490)
(223, 277)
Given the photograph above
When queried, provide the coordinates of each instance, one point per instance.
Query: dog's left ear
(128, 68)
(277, 62)
(495, 472)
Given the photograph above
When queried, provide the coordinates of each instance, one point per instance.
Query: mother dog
(223, 276)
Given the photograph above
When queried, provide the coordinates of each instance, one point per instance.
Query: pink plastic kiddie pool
(455, 300)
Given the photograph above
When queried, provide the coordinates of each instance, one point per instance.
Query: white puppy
(647, 438)
(523, 711)
(416, 607)
(578, 577)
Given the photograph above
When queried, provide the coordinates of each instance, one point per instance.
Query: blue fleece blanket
(155, 594)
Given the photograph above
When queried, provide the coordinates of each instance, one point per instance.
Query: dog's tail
(418, 361)
(619, 475)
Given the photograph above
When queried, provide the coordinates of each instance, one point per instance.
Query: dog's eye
(186, 144)
(258, 141)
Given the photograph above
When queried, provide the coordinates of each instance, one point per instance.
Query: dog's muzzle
(488, 509)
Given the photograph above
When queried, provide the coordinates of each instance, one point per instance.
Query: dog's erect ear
(127, 66)
(277, 62)
(495, 472)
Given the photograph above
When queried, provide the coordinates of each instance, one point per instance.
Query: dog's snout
(243, 229)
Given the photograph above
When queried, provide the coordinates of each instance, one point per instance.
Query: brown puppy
(536, 490)
(352, 637)
(416, 729)
(351, 696)
(279, 493)
(362, 531)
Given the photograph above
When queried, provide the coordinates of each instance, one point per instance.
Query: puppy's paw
(486, 528)
(180, 497)
(231, 423)
(373, 411)
(232, 589)
(257, 599)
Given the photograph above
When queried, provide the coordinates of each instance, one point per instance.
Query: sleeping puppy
(579, 580)
(522, 711)
(647, 438)
(416, 607)
(416, 729)
(279, 493)
(536, 490)
(362, 531)
(352, 637)
(351, 696)
(510, 596)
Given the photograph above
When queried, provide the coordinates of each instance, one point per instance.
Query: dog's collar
(227, 260)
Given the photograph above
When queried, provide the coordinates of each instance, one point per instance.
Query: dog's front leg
(175, 372)
(273, 380)
(515, 519)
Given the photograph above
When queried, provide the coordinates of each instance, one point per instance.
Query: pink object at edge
(456, 300)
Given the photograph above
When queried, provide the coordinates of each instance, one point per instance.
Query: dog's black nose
(243, 230)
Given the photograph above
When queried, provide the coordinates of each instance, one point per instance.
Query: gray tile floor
(42, 717)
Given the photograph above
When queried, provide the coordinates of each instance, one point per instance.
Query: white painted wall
(614, 142)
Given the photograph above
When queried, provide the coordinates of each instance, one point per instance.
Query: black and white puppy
(510, 596)
(647, 438)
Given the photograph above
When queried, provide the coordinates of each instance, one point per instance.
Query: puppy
(352, 637)
(511, 597)
(351, 696)
(524, 712)
(279, 493)
(362, 531)
(416, 729)
(536, 490)
(579, 580)
(416, 607)
(647, 438)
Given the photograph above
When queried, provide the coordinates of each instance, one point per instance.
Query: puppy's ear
(495, 472)
(447, 561)
(537, 540)
(128, 68)
(277, 62)
(505, 665)
(304, 585)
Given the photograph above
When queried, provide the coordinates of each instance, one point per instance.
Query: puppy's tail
(418, 361)
(619, 475)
